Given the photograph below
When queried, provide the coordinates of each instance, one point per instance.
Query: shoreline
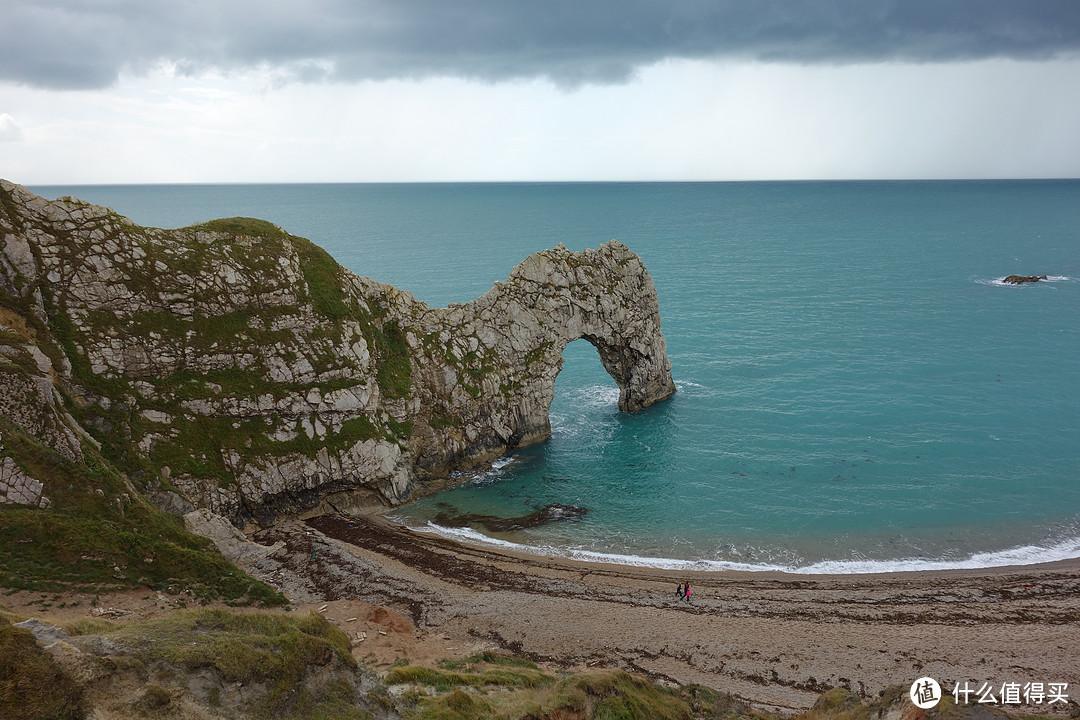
(523, 555)
(469, 537)
(1069, 546)
(771, 638)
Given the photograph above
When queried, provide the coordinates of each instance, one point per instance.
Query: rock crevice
(242, 368)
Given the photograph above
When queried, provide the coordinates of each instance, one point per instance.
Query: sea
(858, 389)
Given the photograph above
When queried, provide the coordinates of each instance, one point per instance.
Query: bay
(858, 390)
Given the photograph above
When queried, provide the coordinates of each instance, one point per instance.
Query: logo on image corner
(925, 692)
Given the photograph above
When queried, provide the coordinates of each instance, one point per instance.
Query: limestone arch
(514, 337)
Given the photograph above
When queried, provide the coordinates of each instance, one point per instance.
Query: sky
(187, 91)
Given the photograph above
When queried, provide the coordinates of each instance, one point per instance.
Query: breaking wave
(1066, 549)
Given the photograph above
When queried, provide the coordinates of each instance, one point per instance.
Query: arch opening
(583, 378)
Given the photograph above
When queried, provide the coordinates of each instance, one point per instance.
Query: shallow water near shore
(857, 389)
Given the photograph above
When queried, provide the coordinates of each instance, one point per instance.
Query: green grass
(279, 651)
(153, 699)
(358, 429)
(298, 667)
(64, 331)
(240, 647)
(32, 685)
(255, 244)
(441, 419)
(242, 226)
(197, 446)
(323, 277)
(489, 686)
(11, 209)
(842, 704)
(708, 703)
(200, 443)
(229, 332)
(89, 626)
(495, 686)
(488, 658)
(457, 705)
(94, 540)
(394, 372)
(335, 702)
(620, 696)
(444, 681)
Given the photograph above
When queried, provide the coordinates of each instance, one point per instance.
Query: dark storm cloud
(87, 43)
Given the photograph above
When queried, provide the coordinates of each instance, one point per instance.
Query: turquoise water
(857, 389)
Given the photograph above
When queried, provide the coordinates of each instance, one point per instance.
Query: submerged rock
(542, 516)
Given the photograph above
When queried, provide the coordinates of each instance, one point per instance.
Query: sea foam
(1024, 555)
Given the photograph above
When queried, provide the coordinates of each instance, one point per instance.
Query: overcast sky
(116, 91)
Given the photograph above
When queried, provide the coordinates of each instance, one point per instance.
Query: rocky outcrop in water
(554, 512)
(237, 368)
(1018, 279)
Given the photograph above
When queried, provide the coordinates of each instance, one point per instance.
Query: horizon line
(548, 182)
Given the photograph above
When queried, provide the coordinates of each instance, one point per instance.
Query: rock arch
(514, 336)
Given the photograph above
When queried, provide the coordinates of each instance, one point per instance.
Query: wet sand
(774, 639)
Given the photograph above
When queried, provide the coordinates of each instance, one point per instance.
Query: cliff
(234, 367)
